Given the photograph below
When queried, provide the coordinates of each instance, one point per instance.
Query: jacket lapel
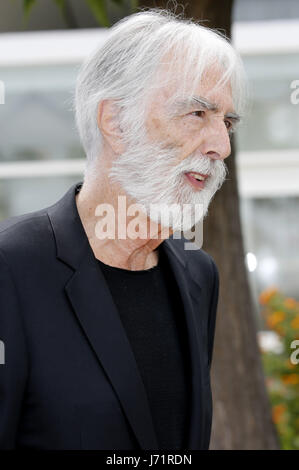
(174, 249)
(94, 307)
(99, 318)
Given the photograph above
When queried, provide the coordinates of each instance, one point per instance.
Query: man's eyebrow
(195, 100)
(233, 116)
(205, 103)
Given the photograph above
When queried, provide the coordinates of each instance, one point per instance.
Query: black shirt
(152, 314)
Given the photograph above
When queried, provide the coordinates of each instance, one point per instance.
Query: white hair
(125, 68)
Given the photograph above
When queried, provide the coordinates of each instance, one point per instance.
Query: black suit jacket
(70, 380)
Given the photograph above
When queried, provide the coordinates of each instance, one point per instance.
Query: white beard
(148, 174)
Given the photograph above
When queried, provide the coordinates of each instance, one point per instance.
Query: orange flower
(281, 331)
(295, 323)
(290, 379)
(290, 303)
(275, 318)
(267, 294)
(278, 412)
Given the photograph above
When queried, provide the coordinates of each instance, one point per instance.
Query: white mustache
(201, 164)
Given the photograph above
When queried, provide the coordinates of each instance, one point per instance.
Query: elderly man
(108, 330)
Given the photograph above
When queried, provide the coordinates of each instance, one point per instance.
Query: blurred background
(41, 157)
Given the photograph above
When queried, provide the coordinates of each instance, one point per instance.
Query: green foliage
(97, 7)
(99, 10)
(60, 3)
(27, 5)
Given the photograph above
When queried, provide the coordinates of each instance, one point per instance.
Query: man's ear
(108, 123)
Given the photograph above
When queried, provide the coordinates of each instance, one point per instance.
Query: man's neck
(132, 254)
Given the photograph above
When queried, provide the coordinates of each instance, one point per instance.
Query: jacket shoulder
(22, 235)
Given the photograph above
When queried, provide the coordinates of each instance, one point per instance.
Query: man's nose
(217, 143)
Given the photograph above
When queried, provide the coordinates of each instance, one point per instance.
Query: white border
(49, 47)
(37, 169)
(272, 173)
(266, 37)
(64, 46)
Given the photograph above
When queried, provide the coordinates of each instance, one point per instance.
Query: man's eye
(228, 125)
(198, 113)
